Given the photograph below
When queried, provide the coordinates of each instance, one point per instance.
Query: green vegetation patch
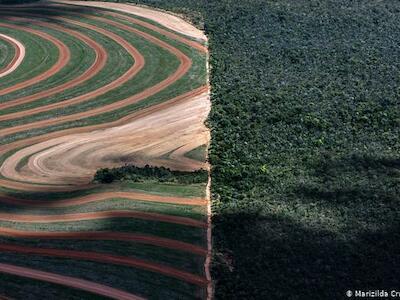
(160, 174)
(40, 56)
(7, 53)
(178, 232)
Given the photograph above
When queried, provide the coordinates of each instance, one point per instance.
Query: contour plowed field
(89, 87)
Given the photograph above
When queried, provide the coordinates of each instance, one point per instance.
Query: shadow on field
(41, 12)
(337, 231)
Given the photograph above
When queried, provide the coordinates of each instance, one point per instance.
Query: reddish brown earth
(101, 215)
(107, 258)
(63, 58)
(105, 235)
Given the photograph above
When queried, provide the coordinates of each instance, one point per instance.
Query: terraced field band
(89, 86)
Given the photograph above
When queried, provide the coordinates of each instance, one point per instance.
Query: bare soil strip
(63, 58)
(100, 197)
(185, 64)
(129, 74)
(18, 55)
(11, 171)
(167, 20)
(101, 215)
(105, 235)
(110, 259)
(68, 281)
(94, 69)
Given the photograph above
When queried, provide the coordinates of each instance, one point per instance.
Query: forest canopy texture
(305, 148)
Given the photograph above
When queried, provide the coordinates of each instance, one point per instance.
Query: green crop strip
(189, 211)
(149, 284)
(198, 153)
(17, 287)
(161, 229)
(40, 56)
(186, 261)
(156, 188)
(117, 64)
(159, 64)
(7, 53)
(82, 56)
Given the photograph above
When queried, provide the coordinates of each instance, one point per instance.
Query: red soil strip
(129, 74)
(105, 235)
(95, 68)
(185, 64)
(63, 59)
(99, 197)
(167, 33)
(18, 55)
(68, 281)
(109, 259)
(33, 187)
(101, 215)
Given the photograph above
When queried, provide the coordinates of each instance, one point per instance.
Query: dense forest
(305, 145)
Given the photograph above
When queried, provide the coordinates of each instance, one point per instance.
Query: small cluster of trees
(149, 173)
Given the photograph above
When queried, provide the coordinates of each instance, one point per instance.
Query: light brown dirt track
(18, 55)
(138, 65)
(100, 215)
(105, 235)
(99, 197)
(95, 68)
(66, 160)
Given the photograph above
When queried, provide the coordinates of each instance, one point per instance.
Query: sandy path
(165, 19)
(68, 281)
(128, 75)
(94, 69)
(135, 196)
(110, 259)
(104, 235)
(18, 56)
(63, 58)
(24, 218)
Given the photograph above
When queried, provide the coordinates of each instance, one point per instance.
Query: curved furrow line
(164, 19)
(128, 75)
(75, 161)
(18, 55)
(63, 58)
(134, 196)
(185, 64)
(63, 135)
(94, 69)
(101, 215)
(68, 281)
(110, 259)
(193, 44)
(103, 236)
